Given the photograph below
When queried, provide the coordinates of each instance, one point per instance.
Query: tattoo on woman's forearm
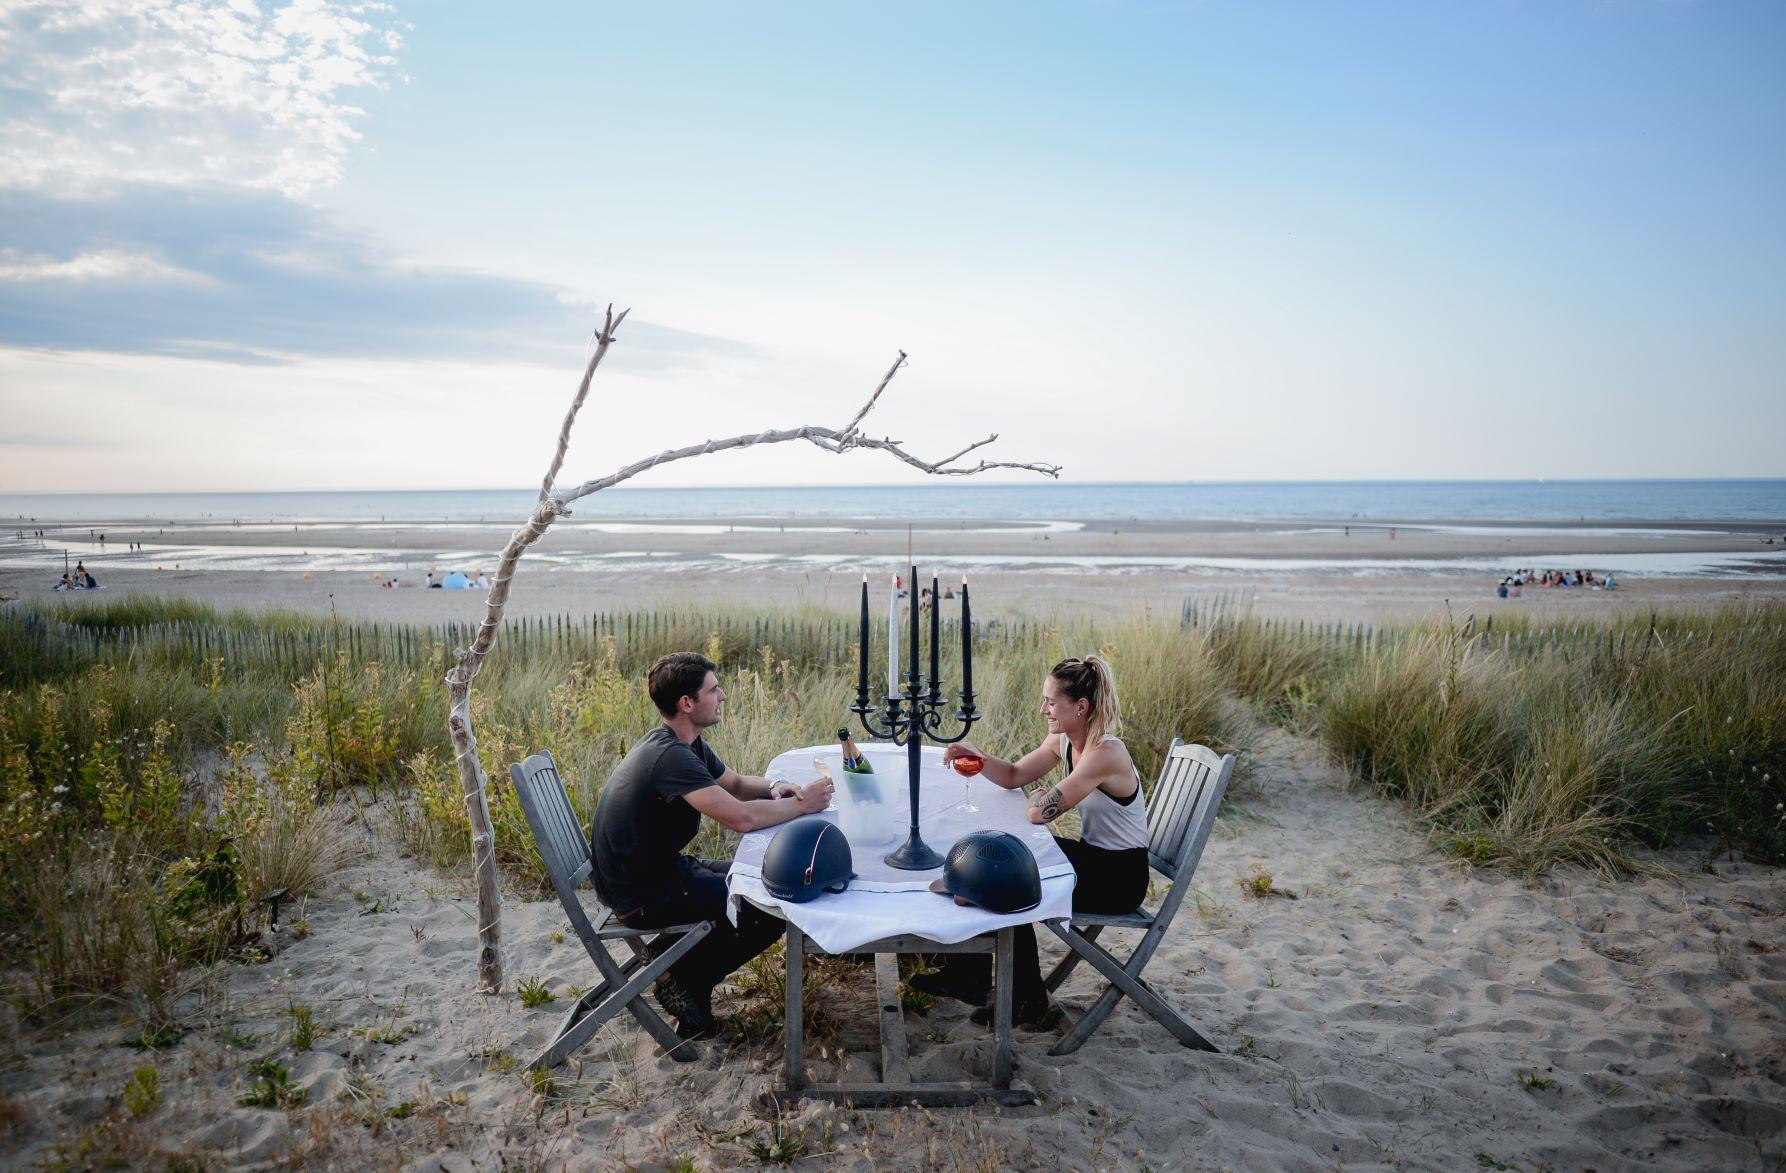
(1050, 802)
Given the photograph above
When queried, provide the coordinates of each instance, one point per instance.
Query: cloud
(44, 441)
(106, 264)
(239, 275)
(102, 92)
(155, 156)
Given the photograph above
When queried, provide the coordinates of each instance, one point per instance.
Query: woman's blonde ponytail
(1091, 680)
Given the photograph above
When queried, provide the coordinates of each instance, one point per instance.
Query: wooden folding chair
(565, 850)
(1181, 810)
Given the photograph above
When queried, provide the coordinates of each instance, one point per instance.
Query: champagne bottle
(854, 762)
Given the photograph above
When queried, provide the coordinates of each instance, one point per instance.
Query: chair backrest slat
(562, 845)
(1167, 808)
(1182, 807)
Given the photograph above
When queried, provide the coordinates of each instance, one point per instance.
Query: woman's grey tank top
(1105, 822)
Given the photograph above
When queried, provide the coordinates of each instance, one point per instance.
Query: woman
(1100, 781)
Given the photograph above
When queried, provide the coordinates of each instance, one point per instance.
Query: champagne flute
(823, 771)
(967, 765)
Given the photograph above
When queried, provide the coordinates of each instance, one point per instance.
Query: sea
(1758, 500)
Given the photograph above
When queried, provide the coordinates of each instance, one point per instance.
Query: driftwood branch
(554, 504)
(472, 782)
(830, 439)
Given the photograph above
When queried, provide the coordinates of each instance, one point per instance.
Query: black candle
(914, 606)
(862, 657)
(936, 613)
(967, 642)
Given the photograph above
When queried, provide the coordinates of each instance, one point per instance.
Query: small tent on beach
(455, 581)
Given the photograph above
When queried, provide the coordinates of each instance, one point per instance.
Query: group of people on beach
(459, 580)
(78, 579)
(1511, 586)
(652, 806)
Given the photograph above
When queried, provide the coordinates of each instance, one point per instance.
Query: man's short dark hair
(675, 676)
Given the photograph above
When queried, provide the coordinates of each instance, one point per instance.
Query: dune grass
(178, 788)
(1530, 745)
(170, 790)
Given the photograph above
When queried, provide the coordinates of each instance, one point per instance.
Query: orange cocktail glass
(967, 765)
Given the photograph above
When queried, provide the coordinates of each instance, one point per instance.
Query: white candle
(893, 637)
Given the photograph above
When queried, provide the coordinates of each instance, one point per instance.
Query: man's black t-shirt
(641, 824)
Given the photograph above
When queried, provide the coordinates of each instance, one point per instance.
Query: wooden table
(894, 913)
(896, 1086)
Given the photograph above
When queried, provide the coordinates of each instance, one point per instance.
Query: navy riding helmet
(991, 869)
(807, 857)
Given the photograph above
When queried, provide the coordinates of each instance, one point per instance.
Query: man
(651, 809)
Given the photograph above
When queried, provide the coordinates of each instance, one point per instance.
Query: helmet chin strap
(814, 861)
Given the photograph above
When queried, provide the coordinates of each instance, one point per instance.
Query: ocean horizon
(1733, 499)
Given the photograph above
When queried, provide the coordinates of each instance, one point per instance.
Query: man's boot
(692, 1009)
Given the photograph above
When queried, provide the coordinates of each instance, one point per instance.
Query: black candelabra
(913, 715)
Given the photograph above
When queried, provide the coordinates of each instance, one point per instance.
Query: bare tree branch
(850, 428)
(830, 439)
(603, 337)
(555, 504)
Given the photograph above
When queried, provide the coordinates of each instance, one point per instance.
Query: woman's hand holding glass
(961, 749)
(968, 762)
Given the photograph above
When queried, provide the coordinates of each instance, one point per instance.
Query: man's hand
(783, 790)
(815, 796)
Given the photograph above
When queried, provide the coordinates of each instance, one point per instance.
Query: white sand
(1382, 1020)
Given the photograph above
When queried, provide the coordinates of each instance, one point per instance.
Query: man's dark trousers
(703, 897)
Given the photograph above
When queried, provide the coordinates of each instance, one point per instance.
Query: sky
(364, 246)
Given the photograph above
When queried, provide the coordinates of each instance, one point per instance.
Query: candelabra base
(914, 855)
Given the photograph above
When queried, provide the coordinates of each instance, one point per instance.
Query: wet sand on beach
(1316, 570)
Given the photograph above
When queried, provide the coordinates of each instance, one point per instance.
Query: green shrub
(533, 993)
(272, 1087)
(142, 1091)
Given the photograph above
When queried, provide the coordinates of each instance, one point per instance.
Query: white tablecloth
(883, 901)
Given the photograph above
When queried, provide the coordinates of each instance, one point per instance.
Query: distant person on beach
(1502, 590)
(1109, 859)
(651, 809)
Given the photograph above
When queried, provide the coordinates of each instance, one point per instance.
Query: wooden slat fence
(301, 648)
